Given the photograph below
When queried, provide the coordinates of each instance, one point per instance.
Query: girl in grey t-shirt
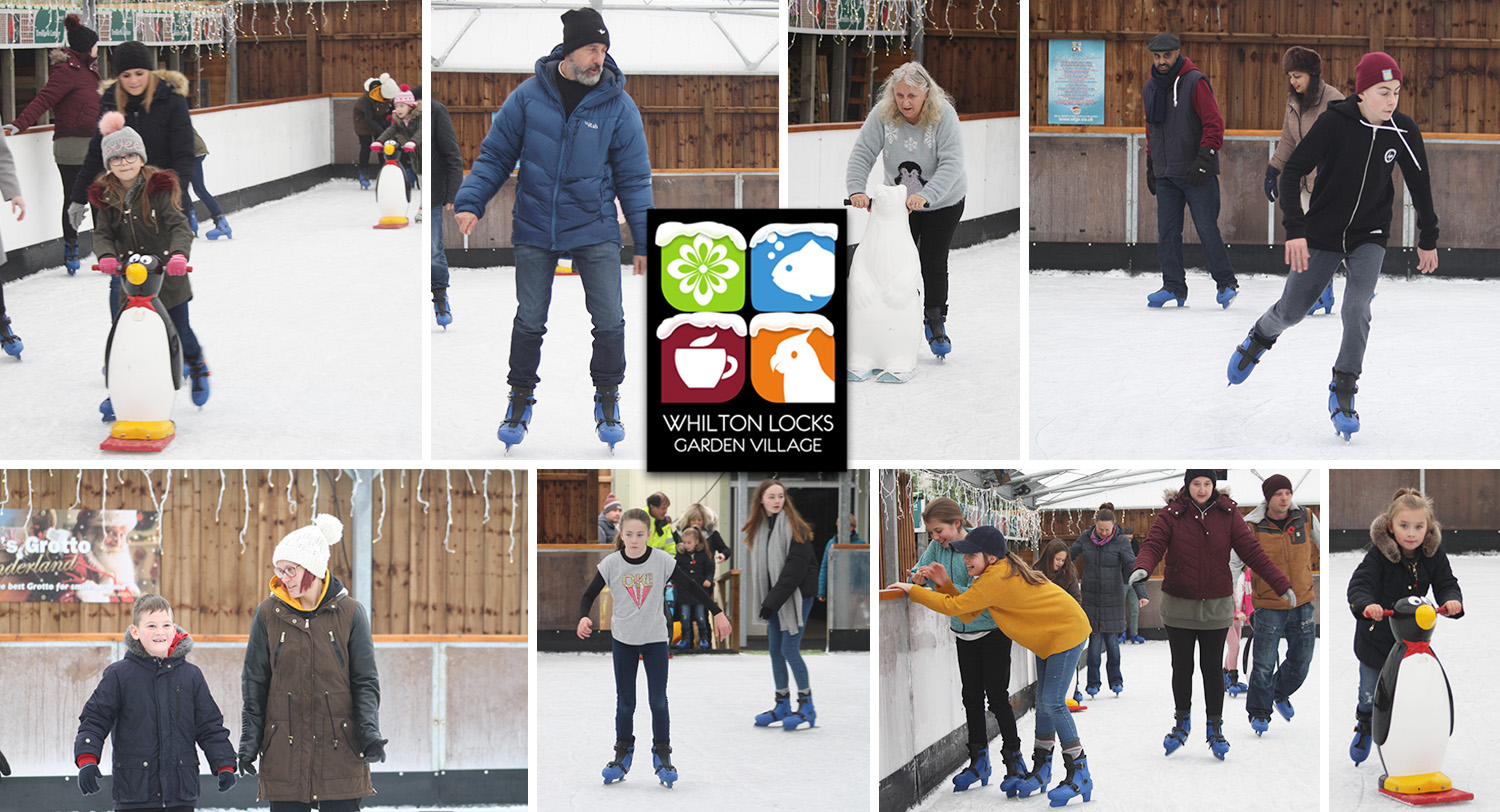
(637, 577)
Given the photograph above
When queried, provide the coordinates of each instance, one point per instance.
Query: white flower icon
(703, 269)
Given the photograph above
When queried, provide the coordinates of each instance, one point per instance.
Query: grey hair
(914, 74)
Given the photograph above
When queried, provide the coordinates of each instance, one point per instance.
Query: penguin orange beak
(1426, 616)
(390, 148)
(136, 273)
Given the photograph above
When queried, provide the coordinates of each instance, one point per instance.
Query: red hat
(1375, 68)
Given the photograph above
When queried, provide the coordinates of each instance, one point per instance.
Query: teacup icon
(701, 366)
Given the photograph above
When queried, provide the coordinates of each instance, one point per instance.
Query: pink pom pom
(405, 88)
(111, 122)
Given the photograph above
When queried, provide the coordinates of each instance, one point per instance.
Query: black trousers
(984, 671)
(350, 805)
(69, 174)
(1210, 643)
(932, 231)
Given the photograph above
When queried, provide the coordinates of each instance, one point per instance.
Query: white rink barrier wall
(818, 156)
(923, 733)
(249, 145)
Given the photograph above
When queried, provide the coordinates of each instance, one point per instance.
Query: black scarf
(1159, 101)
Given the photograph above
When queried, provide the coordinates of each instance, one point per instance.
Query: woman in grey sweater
(914, 130)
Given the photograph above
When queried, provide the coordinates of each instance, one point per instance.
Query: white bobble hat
(308, 546)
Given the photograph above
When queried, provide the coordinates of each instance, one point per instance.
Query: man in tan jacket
(1289, 535)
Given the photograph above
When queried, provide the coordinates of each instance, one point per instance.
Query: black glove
(4, 765)
(374, 751)
(1202, 167)
(1272, 176)
(247, 764)
(226, 780)
(1150, 177)
(88, 779)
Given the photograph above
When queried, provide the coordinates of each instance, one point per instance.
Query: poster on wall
(78, 556)
(1075, 81)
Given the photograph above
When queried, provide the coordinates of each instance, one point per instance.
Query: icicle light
(5, 485)
(221, 495)
(486, 496)
(244, 523)
(291, 499)
(1021, 525)
(380, 527)
(421, 476)
(448, 497)
(515, 513)
(78, 491)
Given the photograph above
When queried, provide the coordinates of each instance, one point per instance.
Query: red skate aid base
(120, 444)
(1447, 796)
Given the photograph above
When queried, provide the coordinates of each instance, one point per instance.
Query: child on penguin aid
(637, 576)
(1043, 618)
(158, 708)
(1353, 146)
(1405, 559)
(406, 131)
(140, 212)
(983, 651)
(696, 566)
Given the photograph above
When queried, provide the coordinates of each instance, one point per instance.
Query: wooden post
(706, 135)
(314, 69)
(807, 84)
(838, 82)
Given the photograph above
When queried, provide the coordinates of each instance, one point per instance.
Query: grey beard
(581, 74)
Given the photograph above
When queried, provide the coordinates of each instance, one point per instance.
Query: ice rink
(1112, 379)
(724, 761)
(968, 406)
(1122, 737)
(308, 320)
(1467, 651)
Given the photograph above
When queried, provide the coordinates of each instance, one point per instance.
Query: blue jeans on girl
(654, 657)
(786, 649)
(1054, 676)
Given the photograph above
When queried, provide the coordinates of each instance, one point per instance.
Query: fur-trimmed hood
(1178, 500)
(182, 646)
(162, 180)
(58, 56)
(169, 81)
(1382, 540)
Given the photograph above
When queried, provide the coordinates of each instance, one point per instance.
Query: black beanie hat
(583, 26)
(80, 37)
(1194, 473)
(1303, 60)
(130, 55)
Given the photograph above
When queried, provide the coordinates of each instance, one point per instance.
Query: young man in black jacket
(1354, 146)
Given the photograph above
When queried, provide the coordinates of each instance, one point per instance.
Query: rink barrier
(1091, 210)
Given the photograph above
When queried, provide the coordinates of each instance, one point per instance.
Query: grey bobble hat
(119, 139)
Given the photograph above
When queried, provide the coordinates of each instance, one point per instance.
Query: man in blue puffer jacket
(580, 144)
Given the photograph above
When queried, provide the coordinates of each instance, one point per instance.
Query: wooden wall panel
(1073, 199)
(214, 586)
(327, 47)
(1355, 497)
(568, 506)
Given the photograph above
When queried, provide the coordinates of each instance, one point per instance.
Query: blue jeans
(598, 267)
(786, 649)
(654, 656)
(439, 256)
(1111, 644)
(1054, 675)
(203, 195)
(1367, 678)
(690, 613)
(1267, 682)
(1203, 202)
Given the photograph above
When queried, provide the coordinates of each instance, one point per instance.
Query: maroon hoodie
(71, 93)
(1196, 546)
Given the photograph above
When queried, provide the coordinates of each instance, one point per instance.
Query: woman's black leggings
(69, 173)
(1210, 654)
(932, 231)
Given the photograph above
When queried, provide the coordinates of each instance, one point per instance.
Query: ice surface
(1112, 379)
(725, 762)
(967, 407)
(1467, 651)
(1122, 738)
(307, 321)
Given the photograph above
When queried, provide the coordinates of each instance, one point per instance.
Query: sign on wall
(42, 25)
(1075, 81)
(78, 556)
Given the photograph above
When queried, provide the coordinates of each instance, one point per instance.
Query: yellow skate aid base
(1417, 784)
(141, 429)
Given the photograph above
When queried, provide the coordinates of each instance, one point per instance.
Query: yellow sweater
(1044, 619)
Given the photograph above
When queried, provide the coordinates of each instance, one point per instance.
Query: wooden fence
(417, 587)
(692, 122)
(1464, 499)
(1449, 53)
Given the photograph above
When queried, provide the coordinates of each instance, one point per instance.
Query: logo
(1390, 155)
(638, 587)
(591, 125)
(1385, 75)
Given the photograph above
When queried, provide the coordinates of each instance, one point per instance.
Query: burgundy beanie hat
(1374, 68)
(1274, 483)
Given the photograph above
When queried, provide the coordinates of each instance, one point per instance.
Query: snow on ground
(1122, 738)
(470, 361)
(968, 406)
(1465, 647)
(723, 760)
(307, 321)
(1113, 379)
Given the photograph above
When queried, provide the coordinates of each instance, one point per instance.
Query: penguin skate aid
(640, 638)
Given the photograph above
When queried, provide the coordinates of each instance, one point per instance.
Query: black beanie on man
(130, 55)
(583, 26)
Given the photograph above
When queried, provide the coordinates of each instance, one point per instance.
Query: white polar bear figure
(806, 272)
(885, 294)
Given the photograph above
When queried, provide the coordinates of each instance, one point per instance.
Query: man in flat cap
(1184, 132)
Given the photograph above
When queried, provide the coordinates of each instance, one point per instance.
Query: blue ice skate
(1341, 405)
(1225, 296)
(1214, 735)
(607, 423)
(616, 769)
(805, 714)
(1359, 749)
(661, 759)
(10, 341)
(197, 369)
(1037, 779)
(221, 229)
(1015, 772)
(933, 321)
(441, 309)
(1260, 724)
(1284, 707)
(978, 769)
(517, 416)
(107, 411)
(1177, 736)
(1163, 296)
(70, 256)
(1076, 782)
(1325, 301)
(1244, 358)
(193, 221)
(777, 713)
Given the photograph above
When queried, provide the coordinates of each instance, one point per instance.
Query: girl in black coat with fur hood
(1405, 559)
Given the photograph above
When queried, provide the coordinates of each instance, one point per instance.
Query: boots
(978, 769)
(1015, 771)
(1242, 362)
(1359, 749)
(440, 307)
(616, 769)
(607, 423)
(933, 321)
(661, 759)
(517, 416)
(1341, 404)
(197, 369)
(9, 340)
(777, 713)
(1040, 775)
(1177, 736)
(1324, 302)
(1232, 684)
(222, 229)
(804, 714)
(1077, 781)
(1214, 735)
(193, 221)
(70, 255)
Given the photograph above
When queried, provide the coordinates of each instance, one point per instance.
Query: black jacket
(696, 566)
(157, 710)
(1351, 198)
(1386, 576)
(800, 572)
(167, 131)
(448, 170)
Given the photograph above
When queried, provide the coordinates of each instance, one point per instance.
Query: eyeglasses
(288, 573)
(127, 158)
